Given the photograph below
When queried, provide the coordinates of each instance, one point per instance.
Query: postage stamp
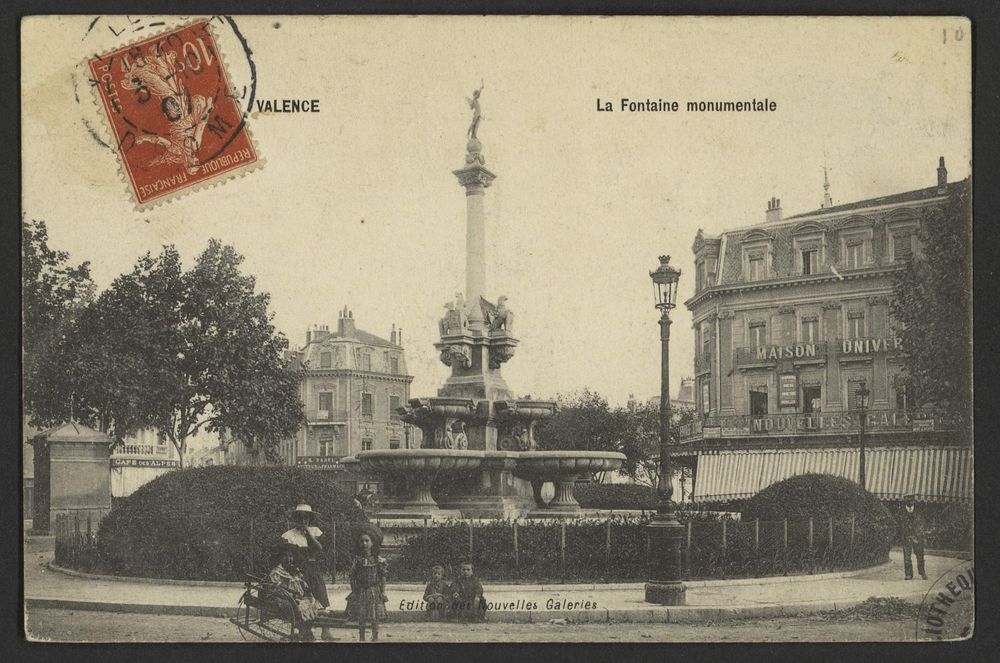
(174, 118)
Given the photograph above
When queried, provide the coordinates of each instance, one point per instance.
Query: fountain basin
(490, 479)
(562, 468)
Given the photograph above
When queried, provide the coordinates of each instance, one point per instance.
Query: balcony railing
(818, 423)
(143, 450)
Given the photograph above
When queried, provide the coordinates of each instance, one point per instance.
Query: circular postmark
(106, 32)
(947, 611)
(176, 116)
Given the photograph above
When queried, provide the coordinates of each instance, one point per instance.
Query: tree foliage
(585, 420)
(177, 351)
(52, 291)
(933, 309)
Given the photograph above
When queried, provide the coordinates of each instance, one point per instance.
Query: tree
(584, 420)
(933, 309)
(181, 352)
(641, 440)
(52, 292)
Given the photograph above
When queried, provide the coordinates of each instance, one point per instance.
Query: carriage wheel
(274, 621)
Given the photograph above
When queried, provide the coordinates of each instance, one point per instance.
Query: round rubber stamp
(947, 611)
(173, 114)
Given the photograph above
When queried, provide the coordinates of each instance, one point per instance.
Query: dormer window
(809, 246)
(854, 253)
(856, 243)
(810, 261)
(756, 249)
(326, 360)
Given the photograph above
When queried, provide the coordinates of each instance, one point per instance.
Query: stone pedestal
(72, 478)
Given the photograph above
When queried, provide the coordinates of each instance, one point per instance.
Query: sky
(356, 205)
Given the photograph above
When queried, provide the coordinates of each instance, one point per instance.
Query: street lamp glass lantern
(665, 279)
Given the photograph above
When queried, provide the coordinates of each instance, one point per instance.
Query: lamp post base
(666, 593)
(665, 533)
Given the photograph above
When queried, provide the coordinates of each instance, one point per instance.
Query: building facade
(792, 320)
(353, 385)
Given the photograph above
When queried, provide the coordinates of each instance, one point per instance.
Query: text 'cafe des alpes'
(791, 319)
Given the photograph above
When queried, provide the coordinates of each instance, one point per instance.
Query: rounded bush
(219, 523)
(615, 496)
(823, 497)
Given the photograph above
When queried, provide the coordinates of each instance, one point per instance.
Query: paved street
(88, 626)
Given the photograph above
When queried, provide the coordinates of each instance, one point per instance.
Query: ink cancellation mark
(174, 119)
(948, 609)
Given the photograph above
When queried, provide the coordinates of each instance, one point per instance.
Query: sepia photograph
(518, 329)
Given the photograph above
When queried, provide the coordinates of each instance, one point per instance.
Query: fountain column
(475, 177)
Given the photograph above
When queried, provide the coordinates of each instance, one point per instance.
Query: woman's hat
(305, 508)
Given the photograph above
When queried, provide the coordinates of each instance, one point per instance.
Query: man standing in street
(914, 534)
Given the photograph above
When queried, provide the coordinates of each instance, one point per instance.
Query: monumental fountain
(478, 457)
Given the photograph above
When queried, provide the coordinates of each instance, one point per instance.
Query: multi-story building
(792, 320)
(143, 457)
(353, 386)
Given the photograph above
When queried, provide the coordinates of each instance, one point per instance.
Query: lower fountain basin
(417, 470)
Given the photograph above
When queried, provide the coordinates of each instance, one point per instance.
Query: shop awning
(933, 474)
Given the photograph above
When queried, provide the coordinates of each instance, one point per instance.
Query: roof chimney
(942, 176)
(399, 336)
(392, 334)
(345, 324)
(320, 333)
(308, 337)
(773, 213)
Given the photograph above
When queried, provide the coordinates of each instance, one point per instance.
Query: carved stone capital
(726, 315)
(876, 300)
(500, 354)
(832, 304)
(474, 178)
(461, 354)
(786, 310)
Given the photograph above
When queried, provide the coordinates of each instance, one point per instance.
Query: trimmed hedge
(218, 523)
(824, 496)
(615, 496)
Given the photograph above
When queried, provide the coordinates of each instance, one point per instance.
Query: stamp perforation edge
(108, 132)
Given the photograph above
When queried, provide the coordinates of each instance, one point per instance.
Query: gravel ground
(87, 626)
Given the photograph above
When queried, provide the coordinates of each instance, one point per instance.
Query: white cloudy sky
(357, 205)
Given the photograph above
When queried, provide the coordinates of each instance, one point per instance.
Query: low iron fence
(615, 548)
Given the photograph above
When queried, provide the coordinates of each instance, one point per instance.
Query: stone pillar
(475, 178)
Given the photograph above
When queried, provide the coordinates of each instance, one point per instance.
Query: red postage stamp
(174, 119)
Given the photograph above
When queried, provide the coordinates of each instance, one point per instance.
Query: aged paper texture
(408, 381)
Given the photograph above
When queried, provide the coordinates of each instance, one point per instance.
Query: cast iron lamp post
(665, 533)
(862, 406)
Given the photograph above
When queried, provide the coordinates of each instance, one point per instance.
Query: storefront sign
(797, 351)
(318, 461)
(867, 346)
(788, 390)
(142, 462)
(711, 432)
(923, 425)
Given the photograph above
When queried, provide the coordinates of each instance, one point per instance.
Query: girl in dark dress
(366, 602)
(309, 557)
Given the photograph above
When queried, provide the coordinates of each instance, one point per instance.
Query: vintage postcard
(497, 329)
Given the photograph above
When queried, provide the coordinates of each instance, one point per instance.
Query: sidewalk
(707, 601)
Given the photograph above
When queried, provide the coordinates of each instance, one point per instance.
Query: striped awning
(933, 474)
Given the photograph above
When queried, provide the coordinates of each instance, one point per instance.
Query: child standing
(437, 592)
(468, 593)
(366, 602)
